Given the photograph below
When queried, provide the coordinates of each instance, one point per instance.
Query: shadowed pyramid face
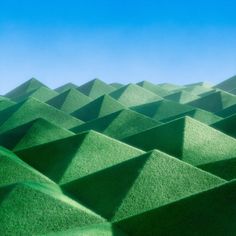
(118, 159)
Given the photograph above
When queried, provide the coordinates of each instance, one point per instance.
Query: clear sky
(116, 40)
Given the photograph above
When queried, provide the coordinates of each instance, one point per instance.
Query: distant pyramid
(32, 109)
(95, 88)
(198, 90)
(33, 209)
(170, 87)
(228, 84)
(132, 94)
(69, 100)
(117, 85)
(139, 185)
(14, 170)
(154, 88)
(31, 134)
(198, 114)
(66, 87)
(74, 157)
(27, 87)
(211, 212)
(215, 102)
(119, 124)
(187, 139)
(161, 110)
(101, 106)
(182, 97)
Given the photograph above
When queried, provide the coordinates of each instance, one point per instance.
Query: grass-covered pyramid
(116, 159)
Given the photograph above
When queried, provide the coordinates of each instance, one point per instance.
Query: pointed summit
(188, 140)
(182, 97)
(151, 181)
(101, 106)
(132, 94)
(69, 100)
(27, 87)
(95, 88)
(228, 84)
(66, 87)
(215, 102)
(119, 124)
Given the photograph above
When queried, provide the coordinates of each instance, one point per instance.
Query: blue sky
(121, 41)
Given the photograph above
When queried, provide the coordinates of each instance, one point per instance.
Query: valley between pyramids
(117, 159)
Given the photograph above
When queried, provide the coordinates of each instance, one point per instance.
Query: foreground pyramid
(114, 159)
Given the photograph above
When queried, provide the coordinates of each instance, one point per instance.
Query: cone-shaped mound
(119, 124)
(182, 97)
(74, 157)
(27, 87)
(228, 84)
(198, 114)
(31, 209)
(208, 213)
(140, 184)
(215, 102)
(32, 109)
(132, 95)
(187, 139)
(66, 87)
(154, 88)
(69, 101)
(101, 106)
(31, 134)
(95, 88)
(161, 110)
(14, 170)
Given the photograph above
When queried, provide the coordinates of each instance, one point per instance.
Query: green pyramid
(10, 164)
(161, 110)
(119, 124)
(228, 84)
(69, 100)
(170, 87)
(198, 90)
(5, 104)
(77, 156)
(25, 88)
(215, 102)
(31, 134)
(188, 140)
(32, 109)
(140, 184)
(95, 88)
(229, 111)
(208, 213)
(66, 87)
(117, 85)
(182, 97)
(132, 95)
(198, 114)
(31, 209)
(101, 106)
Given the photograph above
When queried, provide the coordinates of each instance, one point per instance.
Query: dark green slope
(132, 95)
(66, 87)
(14, 170)
(161, 110)
(31, 134)
(27, 87)
(170, 87)
(208, 213)
(215, 102)
(227, 125)
(117, 85)
(101, 106)
(187, 139)
(140, 184)
(154, 88)
(32, 109)
(95, 88)
(32, 209)
(227, 111)
(198, 90)
(69, 101)
(182, 97)
(4, 104)
(119, 124)
(74, 157)
(198, 114)
(228, 84)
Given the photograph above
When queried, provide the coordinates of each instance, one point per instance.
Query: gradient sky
(122, 41)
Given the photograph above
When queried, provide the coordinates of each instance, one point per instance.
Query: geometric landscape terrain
(118, 159)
